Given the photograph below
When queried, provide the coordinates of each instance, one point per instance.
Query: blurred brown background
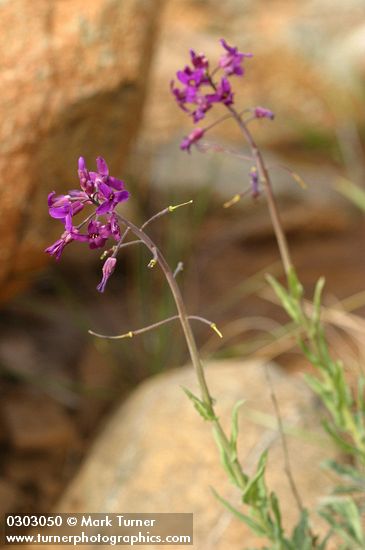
(92, 78)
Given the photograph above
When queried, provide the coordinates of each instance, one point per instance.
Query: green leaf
(255, 492)
(226, 459)
(252, 524)
(331, 430)
(234, 428)
(310, 355)
(343, 516)
(277, 526)
(317, 302)
(353, 192)
(322, 389)
(345, 471)
(348, 490)
(288, 302)
(200, 406)
(323, 348)
(295, 286)
(361, 394)
(301, 537)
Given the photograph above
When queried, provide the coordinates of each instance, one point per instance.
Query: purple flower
(64, 207)
(231, 62)
(102, 176)
(109, 190)
(203, 104)
(97, 188)
(223, 93)
(199, 60)
(108, 269)
(262, 112)
(254, 179)
(180, 96)
(197, 81)
(67, 237)
(192, 78)
(86, 183)
(114, 227)
(57, 248)
(98, 234)
(192, 95)
(193, 137)
(108, 198)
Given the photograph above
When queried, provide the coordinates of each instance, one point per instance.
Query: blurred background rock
(93, 78)
(74, 77)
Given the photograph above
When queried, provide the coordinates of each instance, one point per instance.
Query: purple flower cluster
(98, 190)
(197, 80)
(200, 89)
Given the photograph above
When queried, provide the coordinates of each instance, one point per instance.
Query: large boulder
(73, 82)
(157, 455)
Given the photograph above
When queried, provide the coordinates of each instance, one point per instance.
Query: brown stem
(265, 178)
(190, 340)
(287, 464)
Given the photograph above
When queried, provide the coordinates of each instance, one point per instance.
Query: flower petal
(121, 196)
(102, 166)
(105, 207)
(115, 183)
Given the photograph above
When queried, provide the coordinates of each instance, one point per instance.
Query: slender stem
(190, 340)
(265, 178)
(132, 333)
(85, 221)
(287, 466)
(121, 242)
(167, 210)
(130, 243)
(217, 148)
(179, 305)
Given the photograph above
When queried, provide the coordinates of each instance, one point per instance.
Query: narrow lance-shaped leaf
(295, 286)
(288, 302)
(317, 303)
(200, 406)
(301, 536)
(252, 524)
(255, 493)
(361, 394)
(345, 471)
(225, 459)
(344, 517)
(234, 428)
(331, 430)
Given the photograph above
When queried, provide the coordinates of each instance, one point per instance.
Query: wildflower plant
(200, 88)
(203, 89)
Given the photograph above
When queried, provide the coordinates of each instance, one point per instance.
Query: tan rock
(73, 78)
(157, 455)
